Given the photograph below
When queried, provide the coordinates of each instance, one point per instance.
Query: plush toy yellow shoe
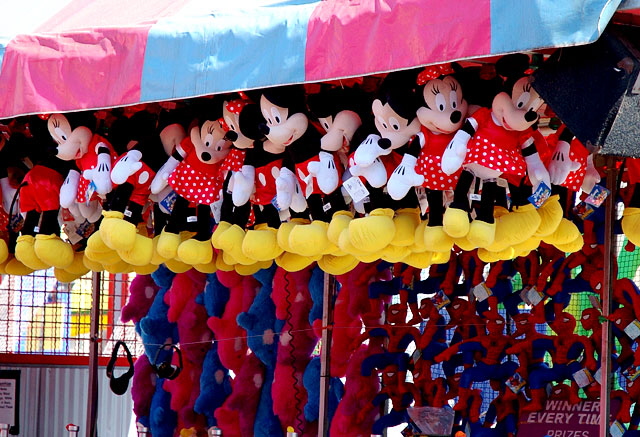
(94, 266)
(515, 227)
(523, 249)
(119, 267)
(373, 233)
(25, 253)
(440, 257)
(53, 251)
(631, 224)
(16, 268)
(4, 251)
(436, 239)
(155, 257)
(248, 270)
(464, 244)
(571, 247)
(207, 268)
(194, 252)
(230, 240)
(550, 215)
(116, 232)
(65, 276)
(418, 238)
(168, 243)
(108, 257)
(284, 232)
(456, 222)
(222, 265)
(77, 267)
(309, 240)
(337, 265)
(219, 230)
(421, 260)
(145, 270)
(481, 234)
(141, 254)
(405, 221)
(96, 244)
(292, 262)
(394, 254)
(339, 222)
(261, 243)
(567, 232)
(177, 266)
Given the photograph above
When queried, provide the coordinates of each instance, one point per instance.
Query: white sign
(7, 401)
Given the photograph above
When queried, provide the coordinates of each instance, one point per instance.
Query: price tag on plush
(482, 292)
(422, 199)
(356, 189)
(633, 330)
(542, 193)
(440, 299)
(583, 378)
(617, 429)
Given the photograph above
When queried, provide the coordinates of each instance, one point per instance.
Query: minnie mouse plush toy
(497, 143)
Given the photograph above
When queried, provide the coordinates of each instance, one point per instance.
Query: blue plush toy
(261, 326)
(215, 386)
(163, 419)
(311, 380)
(260, 321)
(215, 296)
(316, 289)
(155, 329)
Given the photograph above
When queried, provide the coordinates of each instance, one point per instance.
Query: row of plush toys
(467, 337)
(429, 159)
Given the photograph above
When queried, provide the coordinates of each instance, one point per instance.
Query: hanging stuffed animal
(193, 171)
(497, 143)
(242, 116)
(39, 245)
(390, 223)
(442, 113)
(94, 157)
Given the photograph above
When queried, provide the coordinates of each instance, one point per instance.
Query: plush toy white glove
(160, 180)
(454, 154)
(375, 174)
(537, 171)
(243, 183)
(7, 195)
(325, 172)
(100, 175)
(370, 149)
(592, 177)
(298, 200)
(561, 164)
(69, 189)
(126, 166)
(404, 177)
(285, 187)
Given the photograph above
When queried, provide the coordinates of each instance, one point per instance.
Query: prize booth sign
(560, 418)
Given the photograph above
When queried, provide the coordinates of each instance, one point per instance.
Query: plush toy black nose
(531, 116)
(455, 116)
(205, 156)
(384, 143)
(263, 128)
(231, 136)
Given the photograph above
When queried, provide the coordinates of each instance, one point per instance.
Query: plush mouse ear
(512, 67)
(250, 118)
(400, 90)
(83, 118)
(291, 97)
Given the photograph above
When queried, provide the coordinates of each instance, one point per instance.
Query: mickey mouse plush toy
(395, 118)
(493, 143)
(94, 157)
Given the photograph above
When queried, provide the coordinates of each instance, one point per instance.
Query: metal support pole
(92, 403)
(607, 283)
(325, 374)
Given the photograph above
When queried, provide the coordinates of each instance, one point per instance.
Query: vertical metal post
(325, 374)
(92, 402)
(609, 278)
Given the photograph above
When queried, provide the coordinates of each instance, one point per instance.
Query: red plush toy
(232, 342)
(142, 291)
(143, 386)
(237, 415)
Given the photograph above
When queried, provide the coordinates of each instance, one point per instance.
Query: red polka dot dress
(430, 160)
(496, 148)
(198, 182)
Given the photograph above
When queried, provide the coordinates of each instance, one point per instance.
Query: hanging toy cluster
(400, 168)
